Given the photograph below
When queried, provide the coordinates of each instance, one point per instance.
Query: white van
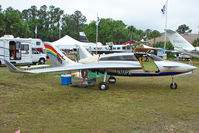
(22, 50)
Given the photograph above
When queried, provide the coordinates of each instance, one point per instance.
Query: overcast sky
(143, 14)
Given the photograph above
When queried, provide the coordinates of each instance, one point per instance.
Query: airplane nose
(191, 68)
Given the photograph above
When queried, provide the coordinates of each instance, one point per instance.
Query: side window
(156, 58)
(34, 51)
(25, 48)
(38, 43)
(120, 58)
(129, 58)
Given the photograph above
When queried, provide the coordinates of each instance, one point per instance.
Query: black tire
(42, 61)
(173, 86)
(34, 63)
(112, 80)
(103, 86)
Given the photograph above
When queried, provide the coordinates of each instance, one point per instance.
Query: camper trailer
(22, 50)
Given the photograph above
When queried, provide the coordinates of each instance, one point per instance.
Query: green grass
(40, 104)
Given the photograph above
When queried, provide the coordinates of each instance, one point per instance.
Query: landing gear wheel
(112, 80)
(103, 86)
(42, 61)
(173, 86)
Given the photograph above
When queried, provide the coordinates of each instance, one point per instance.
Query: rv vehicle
(22, 50)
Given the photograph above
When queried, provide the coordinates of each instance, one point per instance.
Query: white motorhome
(22, 50)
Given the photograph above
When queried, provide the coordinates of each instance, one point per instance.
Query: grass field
(40, 104)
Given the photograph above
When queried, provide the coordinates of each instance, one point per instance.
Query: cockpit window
(119, 58)
(156, 58)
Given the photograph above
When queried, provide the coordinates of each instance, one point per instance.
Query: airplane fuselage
(160, 67)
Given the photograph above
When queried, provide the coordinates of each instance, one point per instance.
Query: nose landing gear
(173, 85)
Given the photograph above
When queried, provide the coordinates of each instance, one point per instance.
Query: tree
(2, 24)
(147, 32)
(79, 20)
(154, 34)
(0, 8)
(182, 29)
(131, 30)
(169, 46)
(15, 26)
(196, 42)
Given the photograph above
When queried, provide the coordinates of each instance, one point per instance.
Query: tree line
(51, 23)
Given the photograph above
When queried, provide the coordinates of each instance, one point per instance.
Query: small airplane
(116, 64)
(181, 45)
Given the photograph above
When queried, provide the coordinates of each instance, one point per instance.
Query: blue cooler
(66, 79)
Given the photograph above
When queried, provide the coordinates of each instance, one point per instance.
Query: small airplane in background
(117, 64)
(181, 45)
(83, 37)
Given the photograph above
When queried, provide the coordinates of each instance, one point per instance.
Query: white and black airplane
(181, 45)
(118, 64)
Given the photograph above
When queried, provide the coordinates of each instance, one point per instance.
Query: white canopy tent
(68, 42)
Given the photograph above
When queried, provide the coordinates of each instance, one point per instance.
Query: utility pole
(96, 37)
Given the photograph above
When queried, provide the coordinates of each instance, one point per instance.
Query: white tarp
(68, 42)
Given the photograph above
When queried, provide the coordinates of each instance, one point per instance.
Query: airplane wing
(71, 67)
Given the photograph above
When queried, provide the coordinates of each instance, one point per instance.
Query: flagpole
(96, 33)
(165, 35)
(36, 31)
(59, 30)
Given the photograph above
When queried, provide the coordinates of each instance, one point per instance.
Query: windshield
(156, 58)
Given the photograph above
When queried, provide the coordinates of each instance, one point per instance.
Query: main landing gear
(173, 85)
(103, 85)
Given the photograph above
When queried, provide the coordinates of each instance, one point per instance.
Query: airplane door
(147, 63)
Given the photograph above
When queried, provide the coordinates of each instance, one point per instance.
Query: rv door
(15, 51)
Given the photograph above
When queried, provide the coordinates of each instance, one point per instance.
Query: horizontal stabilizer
(11, 67)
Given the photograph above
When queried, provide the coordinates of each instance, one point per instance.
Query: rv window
(123, 48)
(24, 47)
(34, 51)
(38, 43)
(18, 45)
(118, 48)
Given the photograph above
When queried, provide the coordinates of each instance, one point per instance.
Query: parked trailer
(22, 50)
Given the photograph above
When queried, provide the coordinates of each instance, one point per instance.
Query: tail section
(178, 41)
(83, 37)
(11, 67)
(82, 53)
(57, 58)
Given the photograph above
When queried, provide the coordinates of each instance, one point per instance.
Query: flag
(18, 131)
(163, 10)
(35, 29)
(98, 20)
